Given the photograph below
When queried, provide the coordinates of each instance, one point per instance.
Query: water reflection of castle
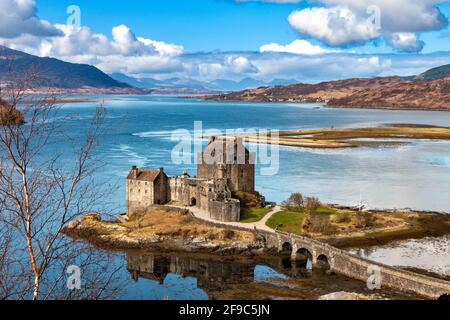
(211, 275)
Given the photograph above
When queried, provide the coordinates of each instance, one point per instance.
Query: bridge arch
(286, 252)
(323, 262)
(304, 258)
(286, 248)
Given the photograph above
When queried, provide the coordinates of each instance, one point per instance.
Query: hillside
(435, 73)
(55, 73)
(377, 93)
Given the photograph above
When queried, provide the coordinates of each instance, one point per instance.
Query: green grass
(254, 215)
(289, 221)
(326, 211)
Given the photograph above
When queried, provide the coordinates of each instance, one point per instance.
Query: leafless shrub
(312, 204)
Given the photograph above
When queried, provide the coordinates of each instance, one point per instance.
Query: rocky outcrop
(10, 115)
(118, 236)
(340, 296)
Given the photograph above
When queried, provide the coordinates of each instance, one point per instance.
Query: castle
(225, 166)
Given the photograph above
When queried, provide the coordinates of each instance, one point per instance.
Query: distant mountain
(246, 83)
(428, 91)
(192, 84)
(150, 83)
(282, 82)
(55, 73)
(435, 73)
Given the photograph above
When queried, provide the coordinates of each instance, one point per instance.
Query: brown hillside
(381, 92)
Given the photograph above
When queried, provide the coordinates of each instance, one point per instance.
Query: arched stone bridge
(342, 262)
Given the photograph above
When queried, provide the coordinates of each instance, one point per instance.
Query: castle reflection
(211, 274)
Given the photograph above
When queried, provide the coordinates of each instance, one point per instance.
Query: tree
(40, 193)
(312, 204)
(294, 202)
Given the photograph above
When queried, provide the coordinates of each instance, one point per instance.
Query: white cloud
(343, 22)
(124, 53)
(335, 26)
(356, 22)
(240, 65)
(405, 41)
(163, 48)
(18, 17)
(296, 47)
(399, 15)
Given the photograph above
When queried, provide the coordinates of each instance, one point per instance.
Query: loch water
(139, 131)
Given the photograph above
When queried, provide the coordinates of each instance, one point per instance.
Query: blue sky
(198, 25)
(206, 25)
(232, 39)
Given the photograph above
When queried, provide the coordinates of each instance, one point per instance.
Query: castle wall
(239, 164)
(212, 196)
(161, 190)
(242, 177)
(225, 211)
(140, 196)
(184, 191)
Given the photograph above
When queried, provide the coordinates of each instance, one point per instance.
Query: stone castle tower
(224, 167)
(228, 158)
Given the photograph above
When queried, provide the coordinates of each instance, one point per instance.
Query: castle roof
(225, 145)
(144, 175)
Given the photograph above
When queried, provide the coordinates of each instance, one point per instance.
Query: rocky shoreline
(112, 235)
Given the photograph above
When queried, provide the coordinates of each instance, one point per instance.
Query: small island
(337, 138)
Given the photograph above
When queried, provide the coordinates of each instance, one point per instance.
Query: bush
(249, 199)
(344, 217)
(364, 220)
(228, 234)
(317, 223)
(312, 204)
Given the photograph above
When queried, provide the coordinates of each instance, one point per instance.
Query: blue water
(139, 129)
